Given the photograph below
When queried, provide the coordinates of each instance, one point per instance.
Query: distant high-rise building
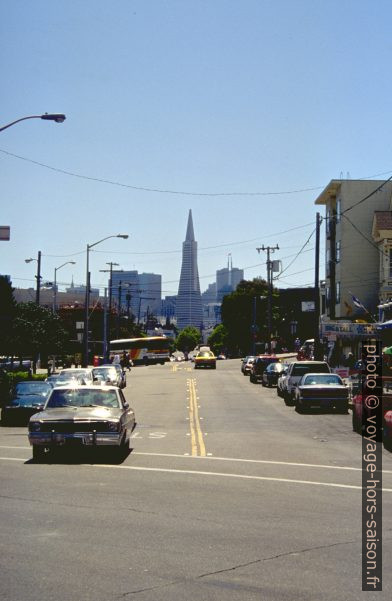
(227, 279)
(189, 308)
(209, 295)
(150, 285)
(142, 291)
(124, 283)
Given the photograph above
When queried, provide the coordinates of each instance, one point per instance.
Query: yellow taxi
(205, 359)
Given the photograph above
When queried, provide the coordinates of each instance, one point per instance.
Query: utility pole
(317, 348)
(38, 276)
(269, 250)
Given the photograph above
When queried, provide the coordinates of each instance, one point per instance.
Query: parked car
(259, 365)
(281, 381)
(322, 391)
(247, 364)
(205, 359)
(272, 373)
(82, 416)
(78, 373)
(111, 374)
(360, 412)
(27, 398)
(295, 371)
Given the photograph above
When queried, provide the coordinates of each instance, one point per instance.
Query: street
(226, 495)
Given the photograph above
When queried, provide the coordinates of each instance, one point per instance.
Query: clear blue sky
(184, 95)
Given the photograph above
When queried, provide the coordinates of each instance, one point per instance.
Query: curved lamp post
(57, 117)
(38, 276)
(87, 303)
(55, 282)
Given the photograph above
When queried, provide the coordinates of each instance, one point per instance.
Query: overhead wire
(169, 191)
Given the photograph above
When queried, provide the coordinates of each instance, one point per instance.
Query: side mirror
(126, 405)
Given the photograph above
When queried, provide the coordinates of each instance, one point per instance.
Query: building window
(337, 256)
(327, 220)
(390, 263)
(338, 209)
(337, 293)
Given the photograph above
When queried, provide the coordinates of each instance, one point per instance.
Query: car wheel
(263, 383)
(288, 399)
(38, 453)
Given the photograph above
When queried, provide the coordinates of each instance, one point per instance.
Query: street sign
(4, 232)
(307, 306)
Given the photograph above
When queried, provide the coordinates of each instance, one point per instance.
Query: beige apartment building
(354, 263)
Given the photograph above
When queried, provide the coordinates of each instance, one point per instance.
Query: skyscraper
(189, 308)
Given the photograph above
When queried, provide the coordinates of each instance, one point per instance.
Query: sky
(242, 111)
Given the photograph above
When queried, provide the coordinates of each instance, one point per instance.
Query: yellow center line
(194, 422)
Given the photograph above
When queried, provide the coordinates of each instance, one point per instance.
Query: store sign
(307, 306)
(5, 232)
(347, 329)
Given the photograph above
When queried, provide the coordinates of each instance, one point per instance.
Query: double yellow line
(197, 442)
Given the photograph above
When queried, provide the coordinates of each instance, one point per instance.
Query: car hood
(78, 413)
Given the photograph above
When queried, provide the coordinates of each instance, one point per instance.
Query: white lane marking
(261, 461)
(216, 474)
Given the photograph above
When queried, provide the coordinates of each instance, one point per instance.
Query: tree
(7, 315)
(218, 339)
(36, 330)
(238, 310)
(187, 339)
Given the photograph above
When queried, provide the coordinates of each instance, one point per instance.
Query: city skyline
(196, 113)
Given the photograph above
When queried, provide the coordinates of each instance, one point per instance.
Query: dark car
(271, 374)
(27, 398)
(322, 391)
(259, 365)
(82, 416)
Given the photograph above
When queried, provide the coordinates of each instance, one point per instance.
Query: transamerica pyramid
(189, 308)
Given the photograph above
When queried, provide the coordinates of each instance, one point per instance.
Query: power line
(164, 191)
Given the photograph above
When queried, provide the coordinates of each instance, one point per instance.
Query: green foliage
(188, 338)
(7, 314)
(238, 310)
(218, 339)
(36, 330)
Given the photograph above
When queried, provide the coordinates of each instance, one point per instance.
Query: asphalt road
(227, 495)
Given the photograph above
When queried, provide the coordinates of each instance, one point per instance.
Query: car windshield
(276, 367)
(74, 373)
(39, 388)
(72, 397)
(105, 372)
(205, 354)
(327, 380)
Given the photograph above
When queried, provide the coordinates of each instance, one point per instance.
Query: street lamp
(89, 246)
(38, 276)
(55, 282)
(57, 117)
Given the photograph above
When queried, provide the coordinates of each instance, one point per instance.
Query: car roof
(84, 387)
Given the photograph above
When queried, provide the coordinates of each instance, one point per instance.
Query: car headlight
(114, 426)
(34, 426)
